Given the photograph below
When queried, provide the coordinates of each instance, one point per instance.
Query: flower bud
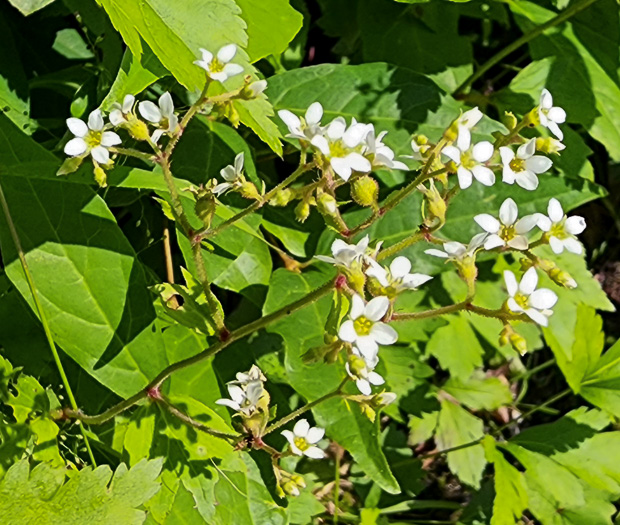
(138, 129)
(291, 488)
(298, 480)
(549, 145)
(249, 191)
(532, 118)
(365, 191)
(326, 204)
(562, 278)
(383, 399)
(509, 336)
(70, 165)
(509, 120)
(357, 365)
(253, 90)
(205, 208)
(282, 197)
(101, 177)
(435, 206)
(231, 113)
(302, 211)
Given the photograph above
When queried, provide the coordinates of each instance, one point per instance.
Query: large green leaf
(301, 331)
(176, 34)
(27, 7)
(90, 496)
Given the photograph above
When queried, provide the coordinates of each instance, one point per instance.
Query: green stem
(414, 238)
(524, 39)
(152, 388)
(502, 315)
(336, 487)
(296, 413)
(42, 316)
(453, 308)
(535, 370)
(303, 168)
(191, 112)
(146, 157)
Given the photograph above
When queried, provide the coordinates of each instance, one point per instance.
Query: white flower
(469, 160)
(524, 297)
(363, 374)
(257, 87)
(230, 174)
(306, 128)
(378, 153)
(120, 113)
(455, 251)
(344, 147)
(243, 400)
(549, 115)
(364, 329)
(508, 231)
(385, 398)
(465, 123)
(245, 378)
(163, 115)
(346, 254)
(91, 138)
(562, 230)
(218, 67)
(525, 166)
(397, 278)
(303, 439)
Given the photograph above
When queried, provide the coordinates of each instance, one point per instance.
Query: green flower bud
(205, 208)
(282, 197)
(532, 119)
(435, 206)
(356, 364)
(249, 191)
(562, 278)
(326, 204)
(365, 191)
(302, 211)
(518, 343)
(138, 129)
(549, 145)
(509, 120)
(70, 165)
(101, 177)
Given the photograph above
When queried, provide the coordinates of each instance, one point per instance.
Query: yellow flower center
(301, 443)
(93, 138)
(467, 161)
(522, 300)
(338, 149)
(507, 233)
(557, 230)
(362, 325)
(517, 165)
(216, 66)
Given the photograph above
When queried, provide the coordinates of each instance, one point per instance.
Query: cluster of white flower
(345, 149)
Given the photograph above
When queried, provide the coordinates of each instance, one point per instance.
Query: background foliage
(542, 445)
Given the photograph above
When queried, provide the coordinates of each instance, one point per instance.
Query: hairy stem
(154, 385)
(524, 39)
(39, 308)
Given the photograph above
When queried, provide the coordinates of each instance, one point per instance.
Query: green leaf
(301, 331)
(582, 70)
(176, 36)
(27, 7)
(456, 427)
(479, 392)
(70, 44)
(92, 287)
(271, 25)
(90, 496)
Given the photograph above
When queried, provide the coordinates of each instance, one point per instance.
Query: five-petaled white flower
(346, 254)
(364, 328)
(163, 116)
(378, 153)
(397, 278)
(303, 439)
(456, 251)
(343, 147)
(230, 174)
(524, 297)
(121, 113)
(307, 127)
(91, 138)
(243, 399)
(549, 115)
(363, 374)
(508, 231)
(560, 229)
(525, 166)
(218, 67)
(469, 161)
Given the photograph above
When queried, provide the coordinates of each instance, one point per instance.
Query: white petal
(455, 248)
(508, 212)
(555, 129)
(482, 151)
(529, 281)
(315, 434)
(358, 162)
(537, 317)
(557, 246)
(128, 103)
(511, 283)
(227, 53)
(376, 308)
(400, 267)
(544, 223)
(518, 242)
(452, 153)
(367, 346)
(314, 453)
(494, 241)
(378, 272)
(290, 437)
(109, 138)
(487, 222)
(543, 299)
(357, 306)
(465, 177)
(321, 143)
(512, 304)
(341, 167)
(336, 128)
(416, 279)
(207, 56)
(228, 173)
(76, 147)
(290, 119)
(538, 164)
(484, 175)
(100, 154)
(301, 428)
(527, 180)
(554, 210)
(525, 224)
(149, 111)
(575, 225)
(383, 334)
(508, 176)
(77, 127)
(557, 114)
(230, 70)
(354, 135)
(228, 403)
(506, 154)
(239, 159)
(436, 253)
(463, 140)
(166, 105)
(116, 117)
(95, 120)
(525, 151)
(314, 114)
(220, 76)
(471, 117)
(375, 378)
(347, 332)
(363, 385)
(573, 246)
(546, 100)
